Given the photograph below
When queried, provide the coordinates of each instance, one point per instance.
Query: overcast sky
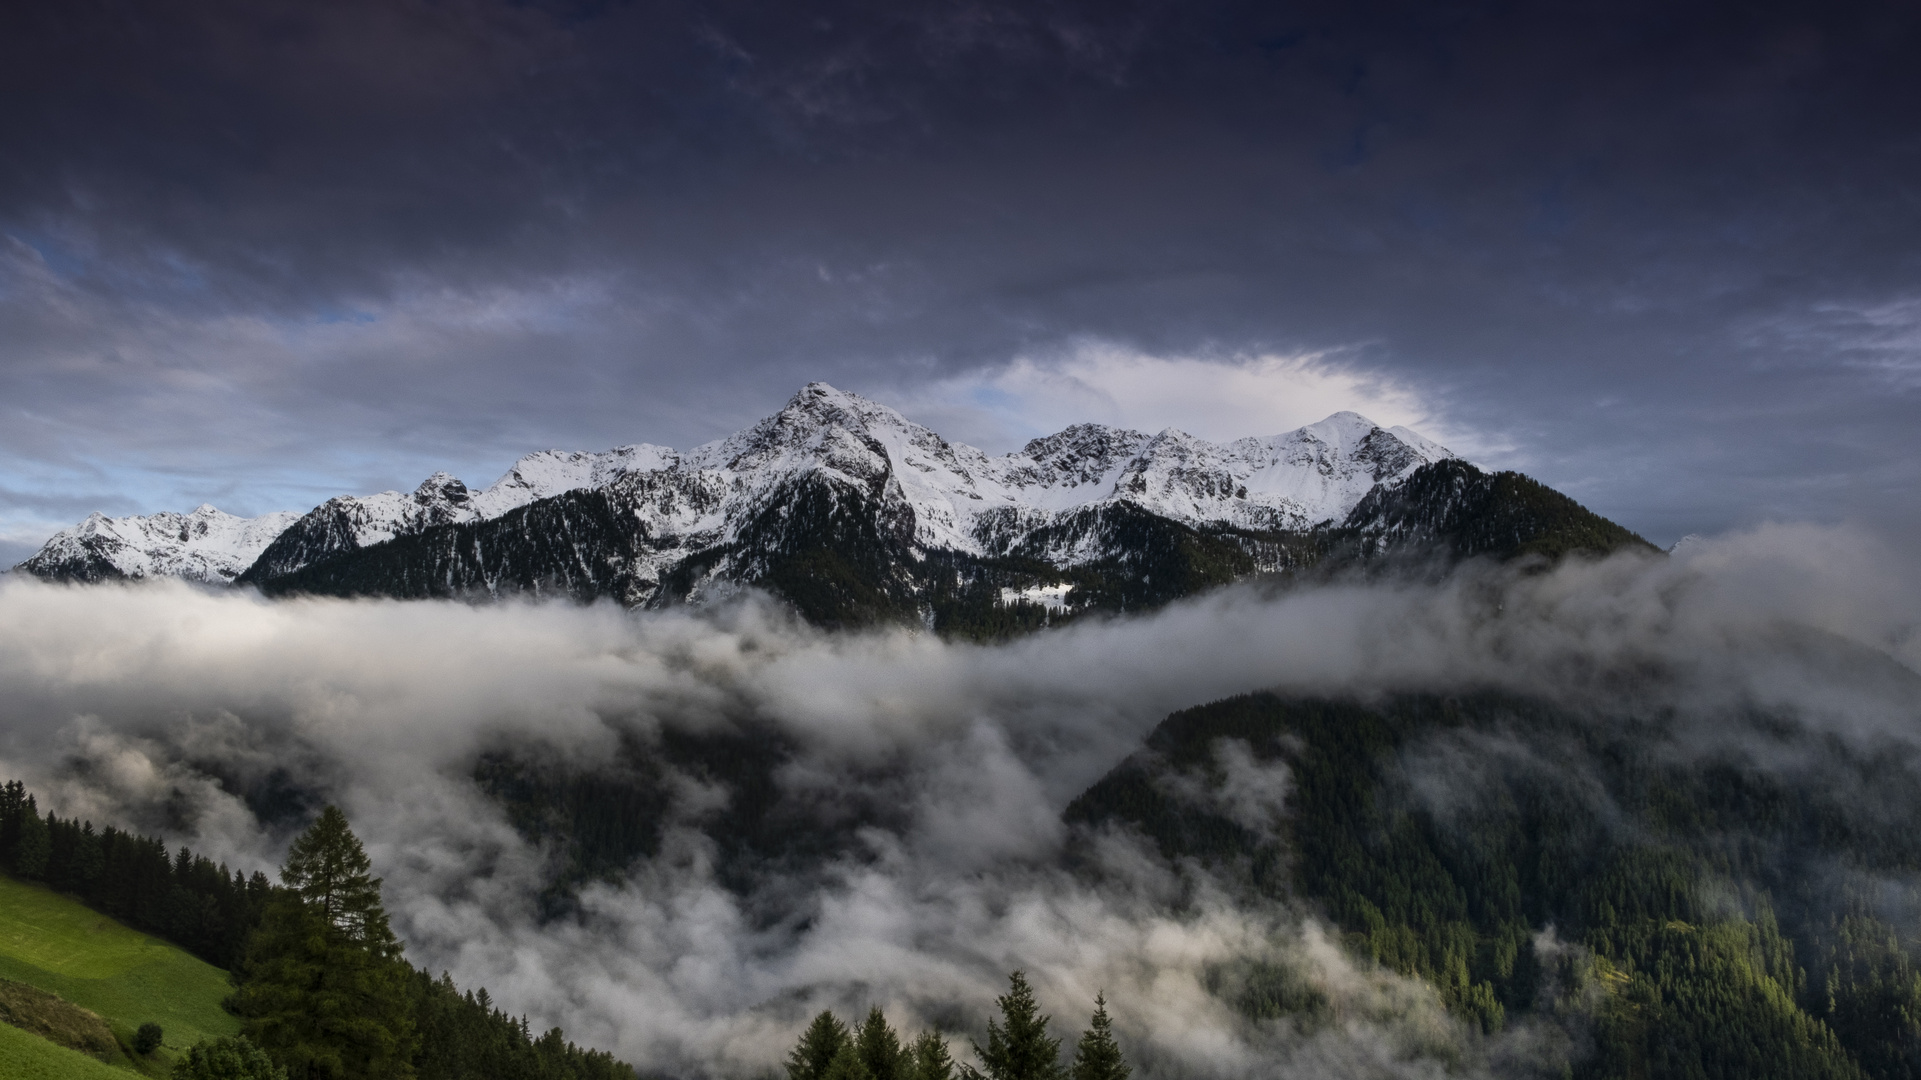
(1663, 256)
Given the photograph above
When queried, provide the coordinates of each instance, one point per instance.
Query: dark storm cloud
(1667, 254)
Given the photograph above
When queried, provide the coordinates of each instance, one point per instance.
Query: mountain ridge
(873, 516)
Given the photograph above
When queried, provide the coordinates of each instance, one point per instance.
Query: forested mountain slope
(1725, 907)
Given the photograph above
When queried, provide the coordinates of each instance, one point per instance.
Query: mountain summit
(841, 505)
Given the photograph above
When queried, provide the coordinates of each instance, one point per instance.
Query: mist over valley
(679, 834)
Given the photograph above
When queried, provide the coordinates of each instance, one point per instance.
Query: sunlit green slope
(129, 978)
(30, 1057)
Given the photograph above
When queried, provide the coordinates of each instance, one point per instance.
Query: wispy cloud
(1217, 397)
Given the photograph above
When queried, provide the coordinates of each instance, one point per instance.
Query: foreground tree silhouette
(819, 1045)
(1098, 1057)
(930, 1058)
(1018, 1047)
(829, 1051)
(324, 990)
(880, 1049)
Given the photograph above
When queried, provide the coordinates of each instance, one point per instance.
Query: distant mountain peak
(827, 451)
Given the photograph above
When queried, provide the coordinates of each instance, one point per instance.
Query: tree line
(322, 988)
(204, 908)
(1018, 1048)
(324, 992)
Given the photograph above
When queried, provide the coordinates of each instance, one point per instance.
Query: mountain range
(853, 513)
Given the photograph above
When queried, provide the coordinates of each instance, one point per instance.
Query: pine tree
(880, 1048)
(13, 804)
(1018, 1047)
(819, 1045)
(929, 1059)
(1098, 1057)
(36, 845)
(324, 990)
(330, 871)
(847, 1065)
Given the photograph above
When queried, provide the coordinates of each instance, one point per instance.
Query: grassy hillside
(24, 1055)
(56, 944)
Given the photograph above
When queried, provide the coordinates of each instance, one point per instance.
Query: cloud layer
(151, 705)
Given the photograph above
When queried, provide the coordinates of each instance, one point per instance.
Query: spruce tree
(929, 1059)
(324, 990)
(847, 1064)
(1018, 1047)
(880, 1048)
(13, 804)
(819, 1045)
(35, 847)
(1098, 1057)
(330, 871)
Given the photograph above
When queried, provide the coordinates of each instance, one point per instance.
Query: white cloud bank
(114, 700)
(1214, 397)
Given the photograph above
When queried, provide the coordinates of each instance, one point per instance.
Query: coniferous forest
(320, 980)
(323, 991)
(1703, 915)
(1683, 908)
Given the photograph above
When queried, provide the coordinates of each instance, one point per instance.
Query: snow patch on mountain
(550, 472)
(1052, 597)
(956, 497)
(964, 500)
(204, 545)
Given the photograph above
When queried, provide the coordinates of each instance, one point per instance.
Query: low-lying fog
(121, 704)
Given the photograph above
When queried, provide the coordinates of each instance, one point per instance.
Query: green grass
(25, 1056)
(58, 944)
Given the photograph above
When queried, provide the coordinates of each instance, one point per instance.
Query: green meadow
(30, 1057)
(129, 978)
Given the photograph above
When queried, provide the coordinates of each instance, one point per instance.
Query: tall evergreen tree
(929, 1057)
(819, 1045)
(330, 871)
(847, 1065)
(36, 844)
(324, 991)
(13, 804)
(1018, 1047)
(1098, 1057)
(880, 1048)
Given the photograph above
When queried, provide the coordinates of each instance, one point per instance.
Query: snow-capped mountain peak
(204, 545)
(948, 496)
(546, 473)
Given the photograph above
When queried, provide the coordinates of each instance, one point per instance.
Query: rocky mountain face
(854, 513)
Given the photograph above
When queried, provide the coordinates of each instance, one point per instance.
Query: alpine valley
(853, 514)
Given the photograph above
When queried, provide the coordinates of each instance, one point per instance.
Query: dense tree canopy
(226, 1059)
(1709, 918)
